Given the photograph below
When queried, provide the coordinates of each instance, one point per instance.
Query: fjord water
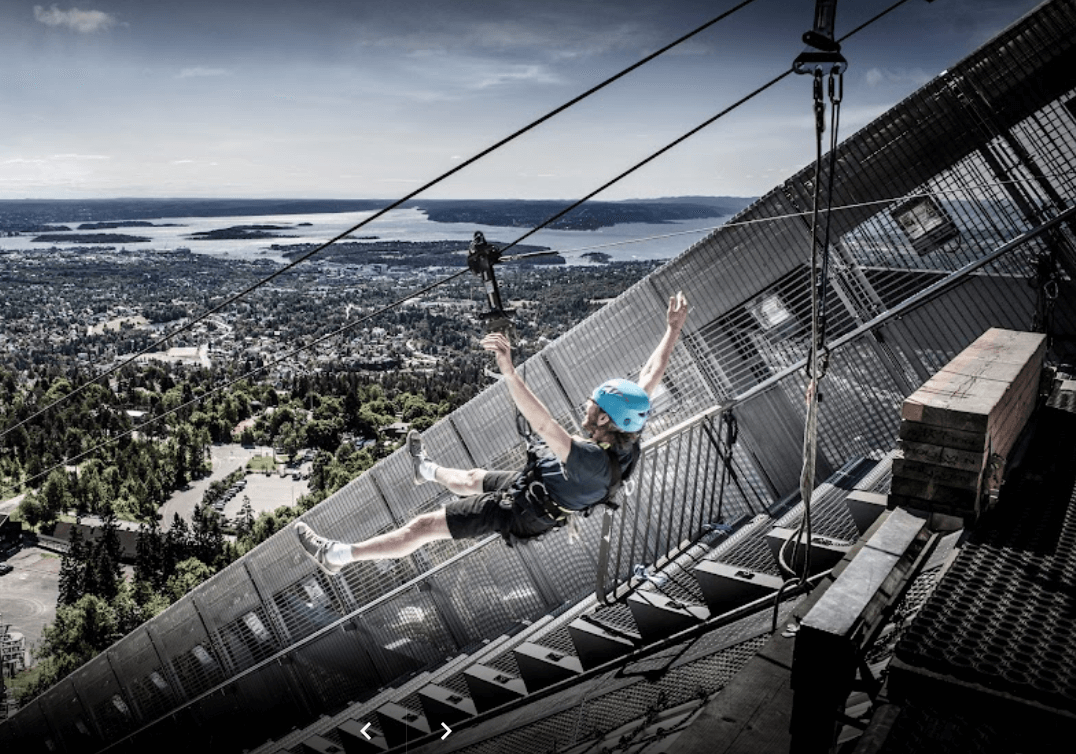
(632, 241)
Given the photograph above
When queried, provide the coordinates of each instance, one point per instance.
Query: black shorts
(495, 512)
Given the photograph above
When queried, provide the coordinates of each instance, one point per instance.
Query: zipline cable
(686, 136)
(547, 222)
(773, 218)
(385, 210)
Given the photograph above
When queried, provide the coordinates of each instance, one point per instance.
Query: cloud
(513, 74)
(915, 76)
(199, 72)
(82, 21)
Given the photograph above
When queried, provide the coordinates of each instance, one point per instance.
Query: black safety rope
(818, 357)
(1045, 279)
(732, 432)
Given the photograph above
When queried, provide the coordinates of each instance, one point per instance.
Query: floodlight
(926, 223)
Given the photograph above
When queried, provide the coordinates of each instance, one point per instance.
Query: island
(89, 238)
(241, 233)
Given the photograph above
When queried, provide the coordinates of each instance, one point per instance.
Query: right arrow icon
(447, 731)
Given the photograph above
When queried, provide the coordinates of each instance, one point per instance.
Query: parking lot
(266, 493)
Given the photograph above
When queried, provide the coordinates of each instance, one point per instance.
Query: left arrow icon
(363, 731)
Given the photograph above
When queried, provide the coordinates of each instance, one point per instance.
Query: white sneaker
(418, 454)
(316, 547)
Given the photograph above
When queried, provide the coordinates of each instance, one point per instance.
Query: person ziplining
(566, 474)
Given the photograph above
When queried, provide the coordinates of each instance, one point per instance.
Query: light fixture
(254, 623)
(203, 656)
(770, 312)
(926, 224)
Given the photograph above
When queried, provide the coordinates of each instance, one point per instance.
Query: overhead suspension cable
(383, 211)
(443, 281)
(709, 121)
(772, 218)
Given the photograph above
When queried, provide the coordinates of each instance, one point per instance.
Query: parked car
(6, 568)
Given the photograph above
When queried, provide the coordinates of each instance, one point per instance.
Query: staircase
(728, 578)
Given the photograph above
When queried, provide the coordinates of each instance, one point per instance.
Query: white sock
(338, 554)
(428, 469)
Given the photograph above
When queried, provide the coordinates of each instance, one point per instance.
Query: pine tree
(73, 568)
(245, 521)
(207, 535)
(177, 546)
(149, 561)
(104, 562)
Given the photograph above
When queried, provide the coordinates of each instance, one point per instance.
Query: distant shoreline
(37, 215)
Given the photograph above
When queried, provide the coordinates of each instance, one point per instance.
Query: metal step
(865, 507)
(320, 745)
(400, 725)
(442, 705)
(726, 587)
(826, 552)
(541, 666)
(491, 688)
(595, 645)
(355, 742)
(658, 616)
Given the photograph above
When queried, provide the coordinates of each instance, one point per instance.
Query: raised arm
(654, 369)
(534, 411)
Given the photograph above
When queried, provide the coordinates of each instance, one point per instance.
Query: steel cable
(385, 210)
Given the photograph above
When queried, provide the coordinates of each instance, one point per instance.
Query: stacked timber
(958, 428)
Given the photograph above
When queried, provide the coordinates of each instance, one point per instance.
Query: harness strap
(530, 486)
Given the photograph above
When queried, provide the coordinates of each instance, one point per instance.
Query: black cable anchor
(481, 256)
(825, 53)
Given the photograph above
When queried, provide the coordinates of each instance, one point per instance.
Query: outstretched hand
(677, 314)
(499, 345)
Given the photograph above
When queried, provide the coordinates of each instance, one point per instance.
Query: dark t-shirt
(584, 478)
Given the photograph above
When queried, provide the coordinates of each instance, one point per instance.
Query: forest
(118, 448)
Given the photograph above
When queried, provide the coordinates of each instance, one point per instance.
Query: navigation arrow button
(447, 731)
(363, 731)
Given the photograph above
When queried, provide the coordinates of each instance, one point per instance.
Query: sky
(374, 98)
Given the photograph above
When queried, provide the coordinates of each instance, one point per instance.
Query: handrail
(339, 623)
(907, 305)
(690, 426)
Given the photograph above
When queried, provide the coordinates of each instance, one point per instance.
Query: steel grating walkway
(1000, 623)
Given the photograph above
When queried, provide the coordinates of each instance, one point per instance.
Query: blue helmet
(627, 404)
